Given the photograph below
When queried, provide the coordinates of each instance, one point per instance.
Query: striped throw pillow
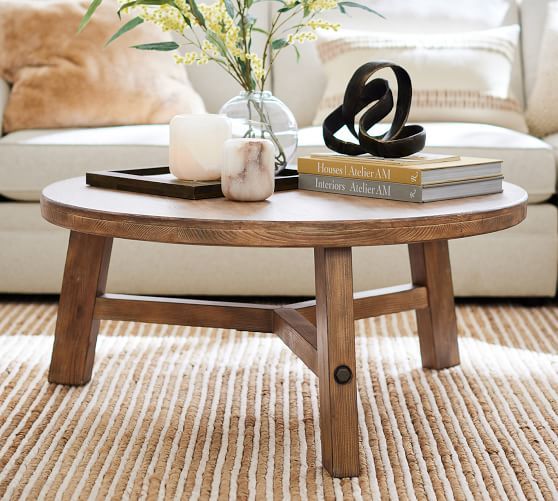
(458, 77)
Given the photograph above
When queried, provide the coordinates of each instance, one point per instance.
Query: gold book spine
(356, 170)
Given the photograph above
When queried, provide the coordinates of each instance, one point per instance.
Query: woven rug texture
(191, 413)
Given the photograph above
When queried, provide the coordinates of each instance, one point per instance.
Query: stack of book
(423, 177)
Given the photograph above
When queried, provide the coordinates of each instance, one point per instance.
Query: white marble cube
(248, 170)
(196, 146)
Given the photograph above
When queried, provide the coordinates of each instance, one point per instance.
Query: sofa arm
(4, 92)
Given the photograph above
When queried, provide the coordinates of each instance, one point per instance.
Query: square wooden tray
(159, 181)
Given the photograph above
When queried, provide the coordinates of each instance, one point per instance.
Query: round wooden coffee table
(321, 332)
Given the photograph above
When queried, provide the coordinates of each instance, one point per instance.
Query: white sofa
(518, 262)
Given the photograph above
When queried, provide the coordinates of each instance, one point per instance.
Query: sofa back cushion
(302, 85)
(533, 20)
(63, 79)
(542, 111)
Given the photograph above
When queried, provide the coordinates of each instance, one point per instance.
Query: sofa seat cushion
(32, 159)
(528, 161)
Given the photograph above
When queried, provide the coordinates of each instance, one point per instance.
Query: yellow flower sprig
(223, 31)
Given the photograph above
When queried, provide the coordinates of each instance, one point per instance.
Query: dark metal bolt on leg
(342, 374)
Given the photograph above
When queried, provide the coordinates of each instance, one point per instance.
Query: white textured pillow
(542, 110)
(458, 77)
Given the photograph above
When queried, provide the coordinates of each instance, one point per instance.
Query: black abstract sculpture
(400, 140)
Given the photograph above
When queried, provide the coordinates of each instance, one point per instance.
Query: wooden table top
(288, 219)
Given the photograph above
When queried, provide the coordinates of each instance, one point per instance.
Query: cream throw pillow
(62, 79)
(460, 77)
(542, 110)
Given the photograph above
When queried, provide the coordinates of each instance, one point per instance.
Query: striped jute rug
(177, 412)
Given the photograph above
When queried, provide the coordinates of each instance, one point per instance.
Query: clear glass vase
(261, 115)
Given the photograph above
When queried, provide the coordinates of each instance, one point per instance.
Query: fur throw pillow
(61, 78)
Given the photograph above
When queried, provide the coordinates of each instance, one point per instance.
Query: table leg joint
(299, 334)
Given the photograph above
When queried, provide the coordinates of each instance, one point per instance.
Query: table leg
(437, 326)
(85, 276)
(336, 361)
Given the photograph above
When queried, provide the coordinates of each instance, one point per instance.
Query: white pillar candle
(248, 169)
(196, 146)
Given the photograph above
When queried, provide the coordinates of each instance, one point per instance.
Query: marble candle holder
(196, 146)
(248, 170)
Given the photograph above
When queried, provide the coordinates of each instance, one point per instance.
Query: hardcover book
(417, 158)
(399, 191)
(418, 174)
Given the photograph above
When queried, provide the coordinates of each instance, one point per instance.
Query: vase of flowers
(222, 32)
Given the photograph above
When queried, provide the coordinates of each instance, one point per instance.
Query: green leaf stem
(196, 11)
(162, 46)
(230, 8)
(279, 43)
(130, 25)
(343, 5)
(87, 16)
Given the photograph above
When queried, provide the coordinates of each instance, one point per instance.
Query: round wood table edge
(244, 233)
